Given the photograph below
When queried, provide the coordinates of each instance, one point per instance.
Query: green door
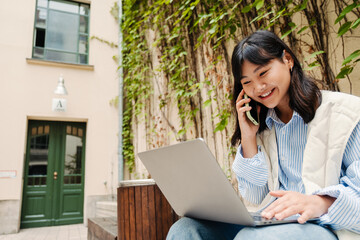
(53, 189)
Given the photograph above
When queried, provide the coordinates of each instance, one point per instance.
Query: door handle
(55, 175)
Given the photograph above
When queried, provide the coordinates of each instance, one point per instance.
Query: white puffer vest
(327, 136)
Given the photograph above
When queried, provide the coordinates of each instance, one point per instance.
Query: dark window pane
(78, 179)
(66, 180)
(43, 180)
(40, 37)
(83, 59)
(30, 181)
(38, 155)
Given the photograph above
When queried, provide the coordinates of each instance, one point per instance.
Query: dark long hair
(260, 48)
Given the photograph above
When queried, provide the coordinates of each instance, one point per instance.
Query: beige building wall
(26, 92)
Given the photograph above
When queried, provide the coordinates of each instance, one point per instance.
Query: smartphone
(252, 115)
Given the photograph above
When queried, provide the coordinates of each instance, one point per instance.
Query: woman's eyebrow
(255, 70)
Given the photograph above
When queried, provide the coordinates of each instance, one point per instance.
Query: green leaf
(213, 29)
(246, 9)
(291, 24)
(201, 17)
(344, 71)
(181, 132)
(221, 125)
(259, 17)
(232, 29)
(351, 57)
(302, 29)
(235, 6)
(207, 103)
(303, 5)
(288, 32)
(344, 28)
(344, 12)
(314, 54)
(355, 24)
(259, 5)
(312, 66)
(175, 35)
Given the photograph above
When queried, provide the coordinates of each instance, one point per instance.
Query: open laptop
(193, 182)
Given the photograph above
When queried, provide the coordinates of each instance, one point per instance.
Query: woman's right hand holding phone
(247, 128)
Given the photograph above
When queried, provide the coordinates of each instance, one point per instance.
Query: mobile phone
(252, 115)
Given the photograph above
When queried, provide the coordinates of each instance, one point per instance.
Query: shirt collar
(272, 117)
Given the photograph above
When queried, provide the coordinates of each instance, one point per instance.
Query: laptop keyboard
(258, 217)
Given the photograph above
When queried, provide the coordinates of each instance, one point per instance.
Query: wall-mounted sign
(7, 173)
(59, 105)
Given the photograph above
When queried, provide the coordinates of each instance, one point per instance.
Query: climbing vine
(180, 50)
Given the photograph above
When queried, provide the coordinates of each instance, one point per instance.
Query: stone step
(106, 209)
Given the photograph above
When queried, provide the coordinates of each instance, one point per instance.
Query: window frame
(85, 34)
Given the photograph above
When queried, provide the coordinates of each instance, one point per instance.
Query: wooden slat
(132, 213)
(145, 213)
(126, 213)
(169, 216)
(138, 213)
(158, 215)
(164, 212)
(151, 206)
(121, 220)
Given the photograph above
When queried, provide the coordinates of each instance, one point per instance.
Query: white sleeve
(252, 175)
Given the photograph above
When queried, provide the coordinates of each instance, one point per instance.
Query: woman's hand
(247, 128)
(290, 203)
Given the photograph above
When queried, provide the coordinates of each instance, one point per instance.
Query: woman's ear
(288, 60)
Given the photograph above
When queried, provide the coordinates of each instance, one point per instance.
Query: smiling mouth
(266, 94)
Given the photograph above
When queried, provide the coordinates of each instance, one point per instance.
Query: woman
(303, 157)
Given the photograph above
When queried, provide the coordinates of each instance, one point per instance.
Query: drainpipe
(120, 102)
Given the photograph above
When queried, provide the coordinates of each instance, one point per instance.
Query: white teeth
(266, 94)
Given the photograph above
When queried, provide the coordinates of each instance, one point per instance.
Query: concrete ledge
(59, 64)
(102, 228)
(139, 182)
(106, 209)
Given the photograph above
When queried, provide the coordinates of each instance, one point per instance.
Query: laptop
(194, 184)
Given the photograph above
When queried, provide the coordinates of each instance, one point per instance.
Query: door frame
(56, 151)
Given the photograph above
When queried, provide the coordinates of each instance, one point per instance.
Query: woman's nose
(260, 87)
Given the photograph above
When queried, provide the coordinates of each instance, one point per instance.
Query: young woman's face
(268, 84)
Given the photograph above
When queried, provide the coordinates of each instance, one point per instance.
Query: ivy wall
(177, 70)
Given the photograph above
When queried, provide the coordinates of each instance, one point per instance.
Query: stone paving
(66, 232)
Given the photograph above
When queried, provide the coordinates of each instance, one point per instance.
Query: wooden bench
(143, 211)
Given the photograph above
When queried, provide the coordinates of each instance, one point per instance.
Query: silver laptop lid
(194, 184)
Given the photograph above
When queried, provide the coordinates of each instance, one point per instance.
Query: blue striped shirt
(252, 173)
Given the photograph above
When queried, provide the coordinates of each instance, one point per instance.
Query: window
(61, 31)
